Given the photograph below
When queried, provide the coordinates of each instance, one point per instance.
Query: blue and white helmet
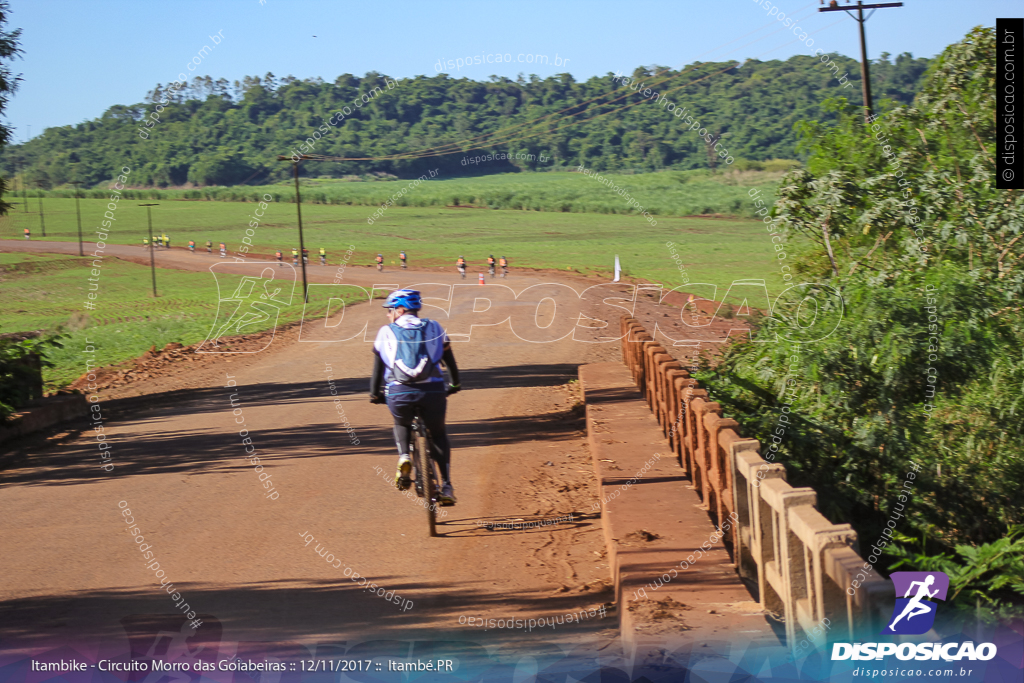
(408, 299)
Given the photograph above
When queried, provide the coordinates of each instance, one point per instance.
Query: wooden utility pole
(298, 210)
(152, 259)
(24, 195)
(865, 75)
(42, 221)
(78, 211)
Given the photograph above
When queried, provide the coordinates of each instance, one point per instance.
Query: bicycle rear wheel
(425, 477)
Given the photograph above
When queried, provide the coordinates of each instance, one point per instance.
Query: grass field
(668, 193)
(46, 292)
(713, 250)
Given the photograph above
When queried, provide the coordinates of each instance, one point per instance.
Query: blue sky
(82, 56)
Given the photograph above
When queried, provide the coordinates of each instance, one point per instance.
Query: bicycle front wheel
(425, 475)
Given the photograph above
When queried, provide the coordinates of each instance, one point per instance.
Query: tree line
(212, 132)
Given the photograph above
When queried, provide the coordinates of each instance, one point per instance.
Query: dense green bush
(927, 366)
(19, 370)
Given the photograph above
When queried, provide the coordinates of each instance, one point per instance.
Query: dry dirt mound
(168, 360)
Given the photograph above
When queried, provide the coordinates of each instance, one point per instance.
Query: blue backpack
(412, 362)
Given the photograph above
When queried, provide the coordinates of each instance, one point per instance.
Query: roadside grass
(48, 292)
(713, 250)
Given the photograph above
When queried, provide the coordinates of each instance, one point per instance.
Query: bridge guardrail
(802, 564)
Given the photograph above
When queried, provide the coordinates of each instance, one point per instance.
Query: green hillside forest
(212, 132)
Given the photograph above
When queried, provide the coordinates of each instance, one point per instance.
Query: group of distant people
(279, 255)
(402, 256)
(160, 242)
(460, 265)
(164, 242)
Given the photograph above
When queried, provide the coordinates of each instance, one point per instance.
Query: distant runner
(145, 243)
(28, 234)
(461, 266)
(402, 256)
(279, 256)
(209, 247)
(223, 250)
(490, 265)
(380, 261)
(192, 246)
(295, 257)
(305, 255)
(323, 256)
(167, 241)
(503, 262)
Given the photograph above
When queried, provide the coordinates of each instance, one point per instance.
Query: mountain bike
(421, 447)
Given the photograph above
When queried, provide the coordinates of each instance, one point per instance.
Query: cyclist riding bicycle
(380, 261)
(323, 256)
(490, 264)
(408, 355)
(402, 256)
(461, 266)
(503, 262)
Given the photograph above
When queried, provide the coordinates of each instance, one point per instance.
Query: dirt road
(74, 575)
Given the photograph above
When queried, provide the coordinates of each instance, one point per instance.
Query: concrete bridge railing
(806, 569)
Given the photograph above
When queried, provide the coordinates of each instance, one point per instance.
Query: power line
(865, 75)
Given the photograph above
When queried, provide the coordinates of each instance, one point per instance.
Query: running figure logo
(915, 614)
(253, 305)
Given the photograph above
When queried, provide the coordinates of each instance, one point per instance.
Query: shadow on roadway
(283, 610)
(75, 458)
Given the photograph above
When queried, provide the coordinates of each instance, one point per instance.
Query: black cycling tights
(442, 451)
(433, 406)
